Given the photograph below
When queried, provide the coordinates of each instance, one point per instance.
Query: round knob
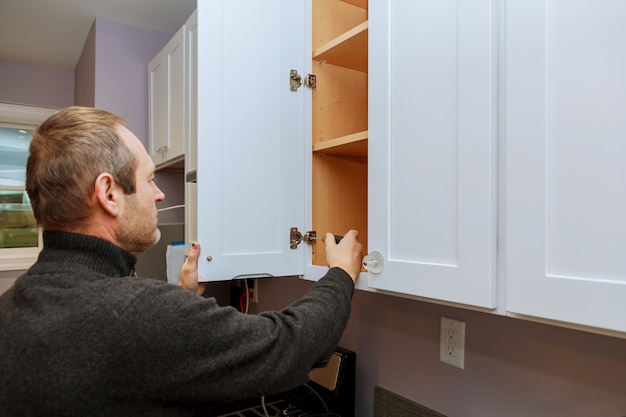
(373, 262)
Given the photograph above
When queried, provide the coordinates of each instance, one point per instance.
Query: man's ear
(108, 193)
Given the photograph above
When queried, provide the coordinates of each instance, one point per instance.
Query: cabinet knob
(373, 262)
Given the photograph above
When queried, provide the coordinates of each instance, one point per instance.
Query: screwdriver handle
(337, 238)
(323, 238)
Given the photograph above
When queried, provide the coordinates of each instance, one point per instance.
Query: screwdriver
(323, 239)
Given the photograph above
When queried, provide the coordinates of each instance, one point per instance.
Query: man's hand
(347, 254)
(189, 271)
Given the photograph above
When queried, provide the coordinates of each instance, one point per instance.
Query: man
(80, 335)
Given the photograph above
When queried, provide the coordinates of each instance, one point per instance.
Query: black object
(331, 395)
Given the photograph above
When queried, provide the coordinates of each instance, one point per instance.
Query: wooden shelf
(353, 145)
(348, 50)
(360, 3)
(174, 165)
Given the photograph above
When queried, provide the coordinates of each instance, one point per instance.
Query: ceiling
(53, 32)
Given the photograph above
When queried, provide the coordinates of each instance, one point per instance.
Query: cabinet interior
(339, 119)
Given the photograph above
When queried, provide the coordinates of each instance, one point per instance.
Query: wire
(246, 294)
(171, 207)
(319, 397)
(264, 407)
(242, 308)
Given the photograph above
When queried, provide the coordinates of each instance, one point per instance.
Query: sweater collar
(92, 252)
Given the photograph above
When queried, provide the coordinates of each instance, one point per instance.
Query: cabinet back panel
(339, 102)
(339, 199)
(331, 18)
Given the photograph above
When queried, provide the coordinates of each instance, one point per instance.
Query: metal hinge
(295, 237)
(295, 80)
(163, 152)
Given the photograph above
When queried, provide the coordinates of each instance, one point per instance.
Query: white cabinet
(166, 98)
(259, 170)
(404, 146)
(432, 148)
(565, 169)
(245, 176)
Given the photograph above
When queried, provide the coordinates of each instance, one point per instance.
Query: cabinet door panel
(166, 101)
(158, 106)
(176, 86)
(566, 176)
(432, 148)
(250, 137)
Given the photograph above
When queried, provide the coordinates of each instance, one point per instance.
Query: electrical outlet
(452, 346)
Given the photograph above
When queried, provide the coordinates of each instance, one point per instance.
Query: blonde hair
(68, 152)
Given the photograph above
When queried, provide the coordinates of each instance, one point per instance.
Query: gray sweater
(80, 337)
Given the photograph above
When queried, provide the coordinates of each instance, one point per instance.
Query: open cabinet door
(244, 167)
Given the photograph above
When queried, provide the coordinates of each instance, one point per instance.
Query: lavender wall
(36, 85)
(513, 368)
(121, 83)
(111, 74)
(85, 72)
(120, 55)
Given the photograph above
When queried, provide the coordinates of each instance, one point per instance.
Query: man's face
(137, 229)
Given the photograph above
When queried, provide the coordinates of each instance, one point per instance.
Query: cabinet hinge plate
(295, 237)
(295, 80)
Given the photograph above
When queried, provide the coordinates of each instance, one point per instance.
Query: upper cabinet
(474, 145)
(432, 148)
(271, 156)
(166, 87)
(565, 171)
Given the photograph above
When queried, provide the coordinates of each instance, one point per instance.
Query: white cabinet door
(166, 82)
(565, 164)
(432, 148)
(248, 162)
(158, 104)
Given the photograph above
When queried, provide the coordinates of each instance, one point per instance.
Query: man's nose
(158, 194)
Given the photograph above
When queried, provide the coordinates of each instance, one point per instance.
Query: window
(18, 228)
(20, 240)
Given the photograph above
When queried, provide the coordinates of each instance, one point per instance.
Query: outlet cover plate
(452, 345)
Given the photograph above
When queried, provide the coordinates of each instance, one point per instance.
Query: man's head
(88, 173)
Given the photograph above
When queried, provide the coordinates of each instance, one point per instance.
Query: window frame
(21, 116)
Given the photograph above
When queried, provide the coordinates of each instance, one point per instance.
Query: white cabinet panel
(166, 88)
(432, 148)
(250, 138)
(565, 170)
(158, 107)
